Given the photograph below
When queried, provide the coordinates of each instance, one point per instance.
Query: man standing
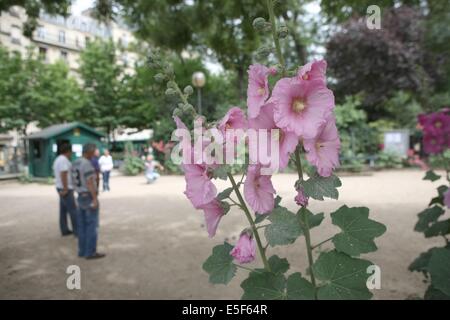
(106, 166)
(84, 178)
(96, 165)
(64, 187)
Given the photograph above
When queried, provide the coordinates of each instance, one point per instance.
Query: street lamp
(198, 81)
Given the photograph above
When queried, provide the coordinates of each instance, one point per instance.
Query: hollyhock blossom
(433, 144)
(315, 70)
(234, 119)
(258, 88)
(301, 106)
(436, 123)
(288, 141)
(323, 151)
(245, 249)
(258, 190)
(301, 199)
(447, 198)
(213, 213)
(199, 188)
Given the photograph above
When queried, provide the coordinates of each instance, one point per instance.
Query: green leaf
(284, 228)
(278, 265)
(261, 217)
(219, 265)
(314, 220)
(440, 197)
(343, 277)
(439, 228)
(277, 201)
(264, 286)
(428, 216)
(435, 294)
(225, 206)
(298, 288)
(225, 194)
(420, 264)
(221, 173)
(318, 187)
(439, 268)
(358, 231)
(432, 176)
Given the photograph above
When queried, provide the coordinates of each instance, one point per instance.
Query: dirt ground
(156, 242)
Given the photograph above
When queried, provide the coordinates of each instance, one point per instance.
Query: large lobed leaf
(284, 228)
(439, 269)
(343, 277)
(358, 231)
(318, 187)
(219, 265)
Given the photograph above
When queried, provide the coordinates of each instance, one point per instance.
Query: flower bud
(245, 249)
(263, 52)
(171, 85)
(260, 24)
(177, 112)
(282, 32)
(159, 77)
(188, 90)
(170, 92)
(188, 108)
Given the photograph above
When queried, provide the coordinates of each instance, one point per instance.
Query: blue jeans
(88, 222)
(106, 175)
(67, 206)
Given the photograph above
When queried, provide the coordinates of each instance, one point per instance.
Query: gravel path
(156, 242)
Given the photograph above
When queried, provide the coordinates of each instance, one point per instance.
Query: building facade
(58, 38)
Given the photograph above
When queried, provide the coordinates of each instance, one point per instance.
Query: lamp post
(198, 81)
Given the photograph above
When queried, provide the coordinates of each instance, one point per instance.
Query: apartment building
(59, 38)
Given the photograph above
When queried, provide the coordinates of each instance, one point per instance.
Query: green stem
(250, 220)
(245, 268)
(275, 36)
(321, 243)
(309, 248)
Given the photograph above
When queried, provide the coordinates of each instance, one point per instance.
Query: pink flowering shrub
(435, 221)
(285, 122)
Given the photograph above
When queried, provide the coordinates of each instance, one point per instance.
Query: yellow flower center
(261, 91)
(438, 124)
(305, 76)
(298, 105)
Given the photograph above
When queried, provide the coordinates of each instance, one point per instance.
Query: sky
(81, 5)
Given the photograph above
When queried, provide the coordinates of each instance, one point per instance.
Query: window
(43, 53)
(40, 33)
(15, 34)
(36, 149)
(64, 55)
(62, 37)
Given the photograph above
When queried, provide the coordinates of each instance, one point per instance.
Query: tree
(103, 81)
(32, 91)
(380, 62)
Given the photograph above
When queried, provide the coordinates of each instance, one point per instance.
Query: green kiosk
(43, 145)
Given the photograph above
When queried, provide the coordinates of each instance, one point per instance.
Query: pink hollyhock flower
(323, 151)
(213, 213)
(315, 70)
(301, 199)
(234, 119)
(245, 249)
(302, 106)
(258, 190)
(433, 144)
(258, 88)
(447, 198)
(288, 141)
(199, 188)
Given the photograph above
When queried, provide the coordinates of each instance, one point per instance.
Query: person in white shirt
(106, 166)
(64, 186)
